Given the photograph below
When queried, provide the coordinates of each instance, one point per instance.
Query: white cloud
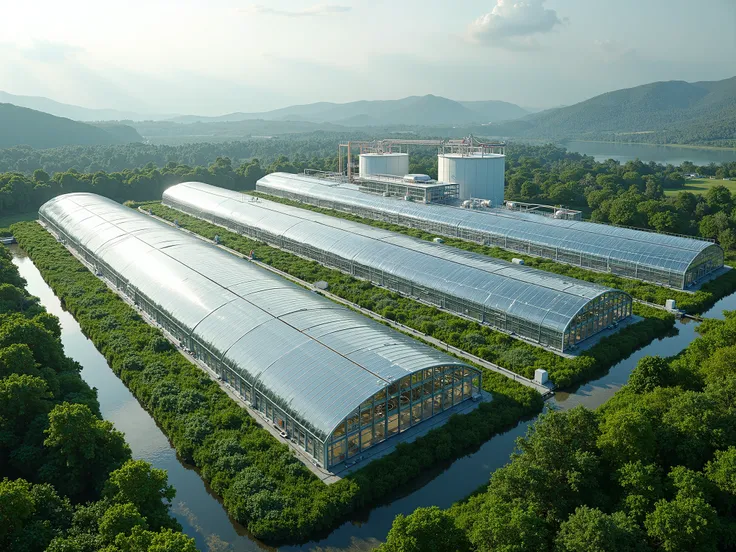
(312, 11)
(511, 24)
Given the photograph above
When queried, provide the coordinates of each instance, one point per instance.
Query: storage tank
(396, 164)
(479, 175)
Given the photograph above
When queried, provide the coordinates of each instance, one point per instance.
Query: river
(202, 515)
(674, 155)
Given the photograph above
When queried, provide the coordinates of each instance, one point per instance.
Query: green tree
(146, 488)
(503, 525)
(712, 225)
(664, 221)
(719, 198)
(83, 450)
(650, 372)
(627, 435)
(591, 530)
(683, 524)
(642, 485)
(40, 176)
(22, 398)
(727, 239)
(31, 515)
(721, 471)
(425, 530)
(120, 519)
(141, 540)
(624, 210)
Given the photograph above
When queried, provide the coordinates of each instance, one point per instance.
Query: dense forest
(68, 480)
(652, 469)
(630, 194)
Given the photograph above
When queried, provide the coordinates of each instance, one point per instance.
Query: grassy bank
(263, 485)
(701, 186)
(477, 339)
(692, 303)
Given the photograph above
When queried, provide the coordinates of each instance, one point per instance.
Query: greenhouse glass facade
(672, 261)
(543, 308)
(335, 381)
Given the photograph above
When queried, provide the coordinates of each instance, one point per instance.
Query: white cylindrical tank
(479, 176)
(396, 164)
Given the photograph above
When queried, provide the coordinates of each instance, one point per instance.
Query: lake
(674, 155)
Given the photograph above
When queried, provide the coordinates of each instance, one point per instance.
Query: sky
(219, 56)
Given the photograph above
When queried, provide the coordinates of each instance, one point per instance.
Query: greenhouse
(336, 382)
(663, 259)
(543, 308)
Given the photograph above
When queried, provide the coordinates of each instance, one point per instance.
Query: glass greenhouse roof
(544, 299)
(316, 359)
(646, 249)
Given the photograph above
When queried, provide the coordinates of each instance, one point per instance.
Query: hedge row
(263, 485)
(475, 338)
(693, 303)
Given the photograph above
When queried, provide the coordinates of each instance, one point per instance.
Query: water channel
(202, 515)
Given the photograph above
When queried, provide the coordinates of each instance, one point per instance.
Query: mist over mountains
(661, 112)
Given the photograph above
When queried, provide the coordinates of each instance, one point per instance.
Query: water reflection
(202, 515)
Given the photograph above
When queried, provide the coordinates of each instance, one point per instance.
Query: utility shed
(336, 381)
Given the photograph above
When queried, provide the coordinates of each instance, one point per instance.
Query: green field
(701, 185)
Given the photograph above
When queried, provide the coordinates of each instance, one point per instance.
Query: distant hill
(674, 111)
(22, 126)
(236, 130)
(494, 110)
(413, 110)
(75, 112)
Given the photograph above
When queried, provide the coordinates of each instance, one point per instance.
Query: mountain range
(75, 112)
(678, 110)
(414, 110)
(671, 111)
(19, 125)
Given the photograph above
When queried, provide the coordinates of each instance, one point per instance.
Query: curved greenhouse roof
(314, 359)
(545, 305)
(664, 259)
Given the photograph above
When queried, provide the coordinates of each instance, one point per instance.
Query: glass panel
(379, 431)
(353, 444)
(366, 438)
(393, 424)
(405, 418)
(339, 431)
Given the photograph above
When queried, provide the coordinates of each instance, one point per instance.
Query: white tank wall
(383, 163)
(478, 177)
